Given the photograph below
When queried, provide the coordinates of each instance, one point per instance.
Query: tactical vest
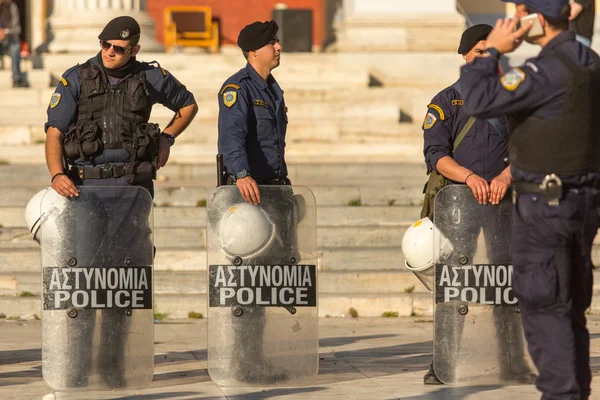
(567, 145)
(116, 110)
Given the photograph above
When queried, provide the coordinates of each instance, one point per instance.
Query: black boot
(20, 84)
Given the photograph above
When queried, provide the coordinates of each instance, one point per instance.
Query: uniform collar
(561, 38)
(257, 79)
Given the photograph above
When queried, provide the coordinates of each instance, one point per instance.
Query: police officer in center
(553, 101)
(98, 121)
(252, 132)
(472, 151)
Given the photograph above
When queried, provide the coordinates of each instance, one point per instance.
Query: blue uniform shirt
(482, 150)
(162, 87)
(537, 88)
(252, 125)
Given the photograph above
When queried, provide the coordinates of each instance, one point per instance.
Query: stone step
(206, 132)
(355, 259)
(40, 96)
(37, 78)
(301, 173)
(194, 282)
(376, 106)
(409, 194)
(364, 236)
(330, 305)
(195, 217)
(408, 150)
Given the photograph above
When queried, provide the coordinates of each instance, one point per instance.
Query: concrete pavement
(363, 358)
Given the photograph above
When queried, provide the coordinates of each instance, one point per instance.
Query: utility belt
(138, 173)
(104, 172)
(551, 189)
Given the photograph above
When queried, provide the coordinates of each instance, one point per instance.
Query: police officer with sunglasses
(99, 134)
(98, 116)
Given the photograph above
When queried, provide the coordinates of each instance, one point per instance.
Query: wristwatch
(242, 174)
(170, 138)
(493, 52)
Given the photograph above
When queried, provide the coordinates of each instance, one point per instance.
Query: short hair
(134, 40)
(560, 24)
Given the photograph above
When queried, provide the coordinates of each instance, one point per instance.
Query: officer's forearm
(181, 120)
(54, 155)
(452, 170)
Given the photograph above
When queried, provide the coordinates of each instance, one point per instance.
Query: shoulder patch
(438, 109)
(458, 102)
(64, 82)
(230, 85)
(54, 100)
(430, 120)
(229, 98)
(512, 79)
(261, 103)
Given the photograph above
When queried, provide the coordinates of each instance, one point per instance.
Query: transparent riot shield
(97, 294)
(262, 288)
(478, 334)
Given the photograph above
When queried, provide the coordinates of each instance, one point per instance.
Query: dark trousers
(108, 228)
(461, 220)
(285, 211)
(12, 46)
(553, 281)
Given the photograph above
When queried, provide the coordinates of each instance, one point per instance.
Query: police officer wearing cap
(99, 113)
(252, 129)
(553, 101)
(253, 115)
(471, 151)
(98, 122)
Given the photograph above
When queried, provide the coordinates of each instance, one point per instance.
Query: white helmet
(53, 204)
(245, 230)
(422, 245)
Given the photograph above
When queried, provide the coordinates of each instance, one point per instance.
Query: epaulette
(229, 85)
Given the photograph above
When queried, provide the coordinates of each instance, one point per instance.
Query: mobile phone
(536, 30)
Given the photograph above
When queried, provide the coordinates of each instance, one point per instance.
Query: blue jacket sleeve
(62, 110)
(165, 89)
(233, 127)
(521, 89)
(437, 132)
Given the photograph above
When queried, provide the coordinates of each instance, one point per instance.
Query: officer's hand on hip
(479, 187)
(248, 189)
(505, 37)
(164, 150)
(64, 186)
(498, 187)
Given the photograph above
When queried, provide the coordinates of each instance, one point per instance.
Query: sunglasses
(117, 49)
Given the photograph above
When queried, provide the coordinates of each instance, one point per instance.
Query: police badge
(229, 98)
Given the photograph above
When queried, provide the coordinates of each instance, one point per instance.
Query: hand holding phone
(506, 37)
(536, 30)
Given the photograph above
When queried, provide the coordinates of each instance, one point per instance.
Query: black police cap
(257, 34)
(471, 36)
(120, 28)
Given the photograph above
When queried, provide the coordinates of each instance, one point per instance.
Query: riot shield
(478, 334)
(97, 294)
(262, 288)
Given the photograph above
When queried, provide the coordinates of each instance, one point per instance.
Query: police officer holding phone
(553, 101)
